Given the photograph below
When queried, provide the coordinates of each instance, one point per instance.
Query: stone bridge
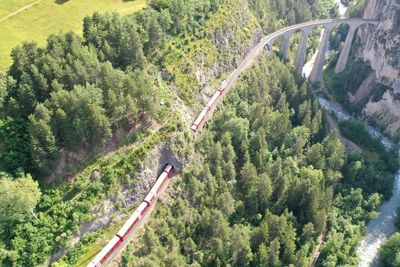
(285, 33)
(305, 29)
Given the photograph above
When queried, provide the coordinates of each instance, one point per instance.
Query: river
(381, 228)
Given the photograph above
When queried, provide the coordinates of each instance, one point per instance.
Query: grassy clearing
(49, 16)
(10, 6)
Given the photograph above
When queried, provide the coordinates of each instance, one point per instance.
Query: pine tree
(43, 143)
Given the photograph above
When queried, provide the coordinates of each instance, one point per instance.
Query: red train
(126, 231)
(211, 103)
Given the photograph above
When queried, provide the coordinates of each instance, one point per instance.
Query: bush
(356, 131)
(390, 252)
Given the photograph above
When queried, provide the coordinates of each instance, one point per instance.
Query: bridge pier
(267, 42)
(317, 71)
(285, 44)
(344, 55)
(301, 50)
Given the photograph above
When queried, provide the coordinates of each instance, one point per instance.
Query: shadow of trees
(60, 2)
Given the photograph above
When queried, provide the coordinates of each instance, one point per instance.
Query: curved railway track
(125, 234)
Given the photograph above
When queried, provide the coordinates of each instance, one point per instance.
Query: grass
(10, 6)
(94, 248)
(50, 16)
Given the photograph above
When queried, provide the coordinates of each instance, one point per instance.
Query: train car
(105, 254)
(149, 199)
(209, 105)
(223, 86)
(169, 168)
(200, 118)
(129, 225)
(213, 99)
(133, 222)
(142, 209)
(162, 179)
(157, 187)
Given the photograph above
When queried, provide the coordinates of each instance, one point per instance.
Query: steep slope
(149, 68)
(378, 96)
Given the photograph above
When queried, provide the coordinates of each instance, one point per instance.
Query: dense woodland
(262, 197)
(377, 175)
(266, 190)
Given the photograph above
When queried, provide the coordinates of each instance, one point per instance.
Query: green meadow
(49, 16)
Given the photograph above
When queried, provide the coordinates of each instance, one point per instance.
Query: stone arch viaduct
(305, 29)
(285, 33)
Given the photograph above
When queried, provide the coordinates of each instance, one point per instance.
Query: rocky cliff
(380, 47)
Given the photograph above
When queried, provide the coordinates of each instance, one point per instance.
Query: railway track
(123, 237)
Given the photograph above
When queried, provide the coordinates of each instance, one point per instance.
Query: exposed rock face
(387, 108)
(381, 48)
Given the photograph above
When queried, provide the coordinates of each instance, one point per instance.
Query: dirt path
(20, 10)
(317, 251)
(348, 143)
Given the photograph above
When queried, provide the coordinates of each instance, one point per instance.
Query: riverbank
(382, 227)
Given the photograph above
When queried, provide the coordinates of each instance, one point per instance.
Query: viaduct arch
(285, 33)
(305, 29)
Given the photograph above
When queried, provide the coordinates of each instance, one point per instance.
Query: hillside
(375, 62)
(88, 120)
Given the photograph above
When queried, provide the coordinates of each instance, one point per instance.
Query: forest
(273, 179)
(267, 180)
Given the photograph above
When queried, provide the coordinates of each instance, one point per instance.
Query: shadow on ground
(60, 2)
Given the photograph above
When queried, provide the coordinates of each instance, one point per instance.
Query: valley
(281, 171)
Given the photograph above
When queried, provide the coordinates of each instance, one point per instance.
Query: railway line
(267, 42)
(124, 235)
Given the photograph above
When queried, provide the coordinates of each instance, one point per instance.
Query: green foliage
(365, 183)
(3, 89)
(83, 99)
(378, 92)
(356, 8)
(116, 39)
(105, 73)
(81, 111)
(338, 36)
(13, 135)
(62, 210)
(348, 81)
(43, 143)
(264, 191)
(390, 251)
(328, 9)
(19, 196)
(256, 192)
(356, 130)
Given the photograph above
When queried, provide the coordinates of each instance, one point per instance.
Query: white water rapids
(381, 228)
